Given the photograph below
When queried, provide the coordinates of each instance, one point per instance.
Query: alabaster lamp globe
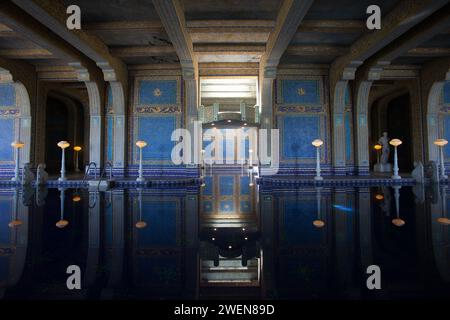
(317, 143)
(77, 148)
(440, 142)
(63, 144)
(141, 144)
(377, 147)
(319, 223)
(15, 223)
(17, 144)
(395, 142)
(443, 220)
(141, 224)
(398, 222)
(62, 223)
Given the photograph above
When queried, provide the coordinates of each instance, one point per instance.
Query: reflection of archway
(392, 113)
(64, 121)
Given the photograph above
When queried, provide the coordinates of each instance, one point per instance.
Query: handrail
(86, 174)
(102, 173)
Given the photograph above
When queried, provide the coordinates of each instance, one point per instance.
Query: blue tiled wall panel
(208, 206)
(208, 189)
(7, 95)
(245, 206)
(157, 92)
(447, 92)
(297, 227)
(7, 136)
(300, 91)
(245, 189)
(162, 217)
(348, 136)
(226, 206)
(109, 137)
(226, 184)
(447, 135)
(109, 98)
(347, 101)
(157, 131)
(297, 133)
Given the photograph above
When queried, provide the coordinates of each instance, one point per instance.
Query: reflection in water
(227, 239)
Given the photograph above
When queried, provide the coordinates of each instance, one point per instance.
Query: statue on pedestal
(384, 165)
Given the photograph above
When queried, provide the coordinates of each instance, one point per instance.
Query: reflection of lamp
(443, 220)
(15, 222)
(62, 223)
(318, 223)
(397, 221)
(379, 196)
(395, 143)
(63, 145)
(441, 143)
(140, 224)
(140, 144)
(76, 197)
(17, 145)
(317, 143)
(377, 148)
(77, 150)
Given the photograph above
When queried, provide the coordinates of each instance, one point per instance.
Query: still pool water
(225, 240)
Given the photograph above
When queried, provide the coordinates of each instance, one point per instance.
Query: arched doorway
(64, 121)
(392, 114)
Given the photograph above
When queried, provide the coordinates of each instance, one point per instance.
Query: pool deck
(76, 181)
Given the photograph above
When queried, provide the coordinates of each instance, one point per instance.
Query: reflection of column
(344, 240)
(19, 241)
(117, 244)
(268, 286)
(93, 238)
(365, 228)
(440, 236)
(191, 257)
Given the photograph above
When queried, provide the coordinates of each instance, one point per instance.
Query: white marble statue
(384, 165)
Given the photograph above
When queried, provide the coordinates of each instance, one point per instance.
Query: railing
(216, 112)
(86, 174)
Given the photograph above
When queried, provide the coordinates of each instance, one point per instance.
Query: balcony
(216, 113)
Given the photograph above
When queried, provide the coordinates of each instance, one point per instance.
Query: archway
(64, 121)
(392, 114)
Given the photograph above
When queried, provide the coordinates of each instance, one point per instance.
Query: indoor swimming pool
(227, 239)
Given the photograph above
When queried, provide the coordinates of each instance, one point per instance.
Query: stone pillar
(339, 143)
(120, 136)
(191, 95)
(267, 78)
(365, 228)
(362, 127)
(95, 124)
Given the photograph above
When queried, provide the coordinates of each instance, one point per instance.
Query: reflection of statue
(384, 142)
(27, 174)
(42, 175)
(386, 205)
(418, 173)
(384, 165)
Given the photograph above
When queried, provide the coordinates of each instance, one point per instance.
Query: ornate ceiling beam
(332, 26)
(399, 20)
(316, 50)
(142, 51)
(52, 14)
(288, 20)
(26, 54)
(173, 20)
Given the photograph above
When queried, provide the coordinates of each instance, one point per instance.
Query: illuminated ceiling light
(213, 239)
(246, 238)
(230, 247)
(228, 121)
(243, 229)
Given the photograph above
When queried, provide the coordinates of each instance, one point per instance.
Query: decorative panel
(7, 95)
(7, 136)
(163, 217)
(299, 91)
(158, 92)
(446, 93)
